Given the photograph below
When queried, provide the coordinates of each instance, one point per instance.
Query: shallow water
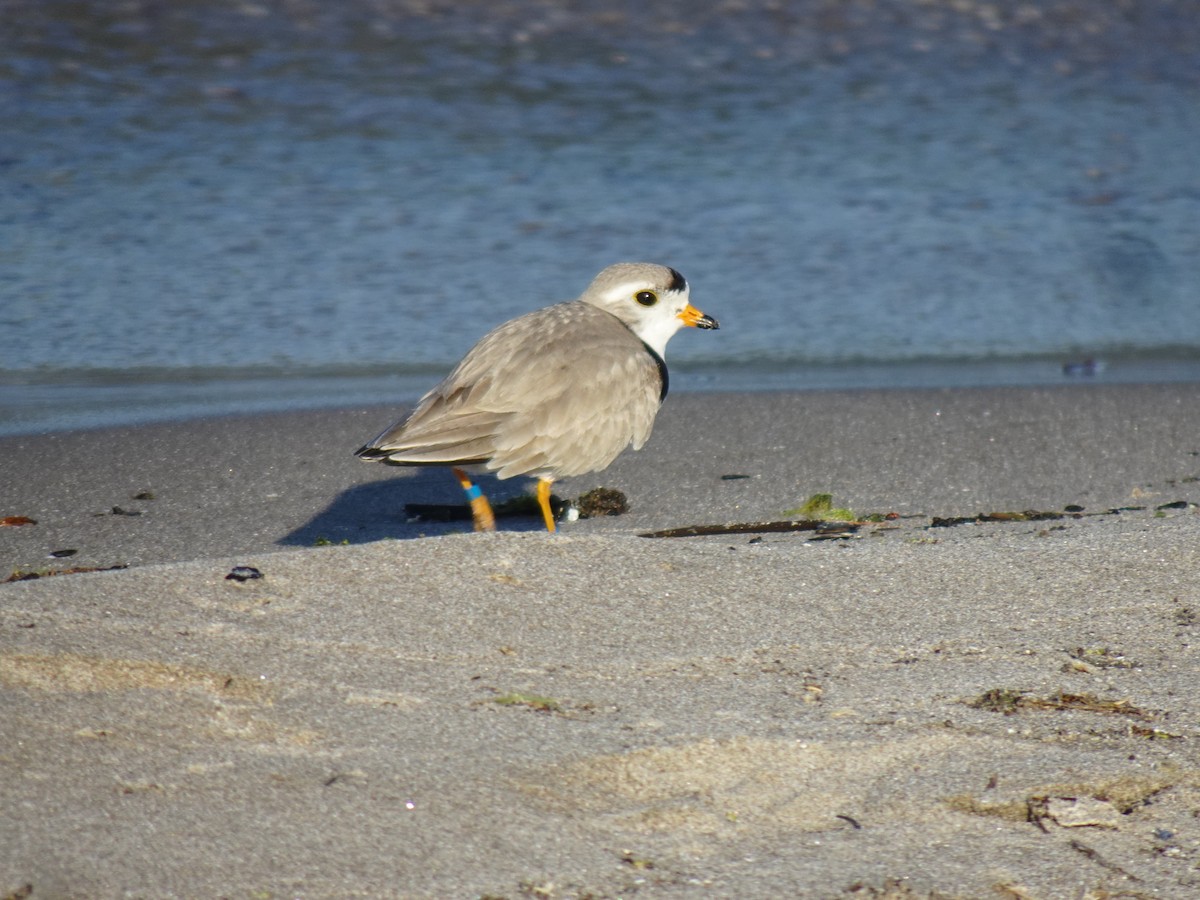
(214, 209)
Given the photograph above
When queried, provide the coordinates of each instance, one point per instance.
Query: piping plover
(553, 393)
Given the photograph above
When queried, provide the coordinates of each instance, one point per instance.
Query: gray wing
(558, 392)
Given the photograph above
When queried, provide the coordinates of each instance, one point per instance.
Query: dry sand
(597, 714)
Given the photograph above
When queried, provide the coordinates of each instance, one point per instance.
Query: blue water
(218, 210)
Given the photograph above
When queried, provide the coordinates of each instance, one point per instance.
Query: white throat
(657, 331)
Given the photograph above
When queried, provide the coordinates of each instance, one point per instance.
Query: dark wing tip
(368, 452)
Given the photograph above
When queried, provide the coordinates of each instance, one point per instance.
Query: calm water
(214, 209)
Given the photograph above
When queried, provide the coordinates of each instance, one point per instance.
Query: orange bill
(693, 318)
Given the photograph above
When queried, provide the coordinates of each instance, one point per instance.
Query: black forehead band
(678, 282)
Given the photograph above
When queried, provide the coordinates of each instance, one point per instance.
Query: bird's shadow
(376, 511)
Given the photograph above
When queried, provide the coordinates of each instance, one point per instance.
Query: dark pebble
(243, 573)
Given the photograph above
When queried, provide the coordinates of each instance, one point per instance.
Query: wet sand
(397, 708)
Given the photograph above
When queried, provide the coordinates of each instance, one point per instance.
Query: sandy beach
(998, 707)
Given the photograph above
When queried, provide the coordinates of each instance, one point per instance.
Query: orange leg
(543, 495)
(481, 510)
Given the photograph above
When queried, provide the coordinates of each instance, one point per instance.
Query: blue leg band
(473, 492)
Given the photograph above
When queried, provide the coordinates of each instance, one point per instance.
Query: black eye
(646, 298)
